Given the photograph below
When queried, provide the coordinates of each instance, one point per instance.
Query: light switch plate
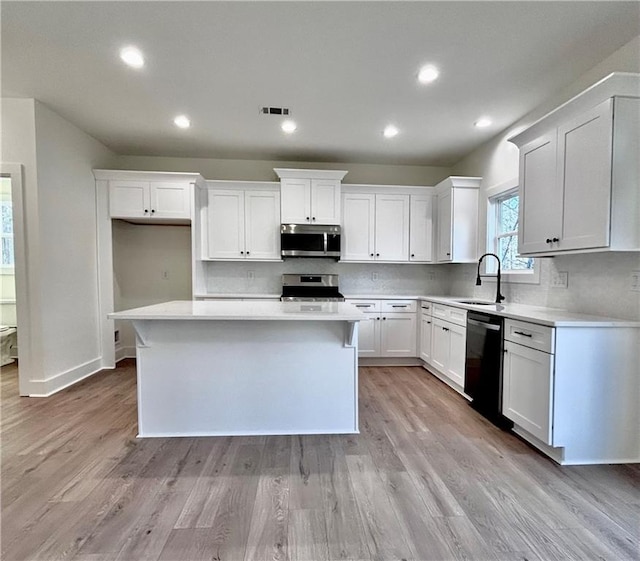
(251, 275)
(374, 276)
(635, 281)
(560, 279)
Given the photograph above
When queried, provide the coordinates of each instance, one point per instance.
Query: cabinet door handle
(399, 306)
(427, 322)
(363, 305)
(548, 240)
(448, 254)
(424, 308)
(445, 329)
(555, 240)
(523, 333)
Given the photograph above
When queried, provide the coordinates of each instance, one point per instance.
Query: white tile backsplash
(598, 283)
(355, 278)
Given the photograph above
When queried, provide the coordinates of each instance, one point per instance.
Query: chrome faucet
(499, 297)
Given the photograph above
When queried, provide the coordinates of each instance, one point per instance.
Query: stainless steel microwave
(310, 240)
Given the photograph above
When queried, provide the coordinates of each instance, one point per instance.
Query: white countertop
(232, 310)
(552, 317)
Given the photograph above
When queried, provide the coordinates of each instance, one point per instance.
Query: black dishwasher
(483, 366)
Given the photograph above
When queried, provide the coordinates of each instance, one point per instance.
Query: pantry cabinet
(310, 196)
(390, 329)
(579, 174)
(457, 219)
(150, 200)
(242, 225)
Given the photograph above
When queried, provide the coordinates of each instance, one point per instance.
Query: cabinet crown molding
(134, 175)
(616, 84)
(285, 173)
(459, 181)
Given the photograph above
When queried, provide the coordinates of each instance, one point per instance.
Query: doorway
(13, 278)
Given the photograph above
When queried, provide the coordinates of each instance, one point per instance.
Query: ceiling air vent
(274, 110)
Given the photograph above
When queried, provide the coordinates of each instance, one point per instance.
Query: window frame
(494, 196)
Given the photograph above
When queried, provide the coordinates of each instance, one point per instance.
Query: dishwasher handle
(489, 326)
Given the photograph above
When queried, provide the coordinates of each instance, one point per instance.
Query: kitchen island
(223, 368)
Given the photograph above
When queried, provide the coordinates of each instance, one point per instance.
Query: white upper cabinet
(392, 227)
(421, 228)
(457, 219)
(242, 224)
(579, 173)
(310, 196)
(150, 200)
(375, 227)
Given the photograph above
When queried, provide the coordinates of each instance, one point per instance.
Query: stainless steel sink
(476, 302)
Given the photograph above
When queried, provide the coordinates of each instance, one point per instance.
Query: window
(6, 234)
(502, 236)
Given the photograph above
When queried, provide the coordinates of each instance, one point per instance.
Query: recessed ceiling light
(390, 131)
(428, 74)
(482, 122)
(288, 126)
(132, 56)
(182, 121)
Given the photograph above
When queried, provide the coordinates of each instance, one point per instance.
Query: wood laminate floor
(427, 479)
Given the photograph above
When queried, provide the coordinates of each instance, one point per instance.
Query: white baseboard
(125, 352)
(429, 368)
(385, 361)
(45, 388)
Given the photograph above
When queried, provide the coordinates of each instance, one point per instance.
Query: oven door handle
(326, 242)
(489, 326)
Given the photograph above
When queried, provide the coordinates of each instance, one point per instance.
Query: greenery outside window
(502, 236)
(6, 235)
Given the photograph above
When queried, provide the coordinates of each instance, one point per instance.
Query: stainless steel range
(310, 288)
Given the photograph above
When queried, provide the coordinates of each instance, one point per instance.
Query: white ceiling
(346, 69)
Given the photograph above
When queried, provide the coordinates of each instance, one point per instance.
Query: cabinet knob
(247, 253)
(378, 318)
(548, 240)
(448, 255)
(242, 253)
(313, 218)
(146, 210)
(384, 318)
(372, 255)
(307, 218)
(555, 240)
(413, 255)
(153, 210)
(377, 255)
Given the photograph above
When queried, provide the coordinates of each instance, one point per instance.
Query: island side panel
(215, 378)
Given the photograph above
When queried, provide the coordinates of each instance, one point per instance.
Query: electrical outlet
(374, 276)
(635, 281)
(560, 279)
(431, 276)
(251, 275)
(165, 275)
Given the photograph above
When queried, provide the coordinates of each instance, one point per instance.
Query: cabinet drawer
(530, 334)
(449, 313)
(399, 306)
(425, 307)
(366, 305)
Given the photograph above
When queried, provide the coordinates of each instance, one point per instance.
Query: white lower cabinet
(425, 332)
(390, 330)
(528, 389)
(448, 350)
(443, 347)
